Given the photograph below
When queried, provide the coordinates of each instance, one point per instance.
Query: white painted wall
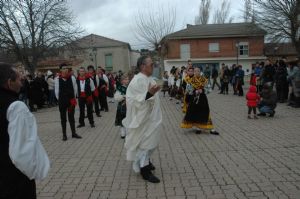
(122, 57)
(134, 56)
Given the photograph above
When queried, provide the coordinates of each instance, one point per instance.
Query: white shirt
(178, 81)
(119, 97)
(82, 85)
(56, 86)
(105, 79)
(97, 80)
(51, 83)
(25, 148)
(171, 80)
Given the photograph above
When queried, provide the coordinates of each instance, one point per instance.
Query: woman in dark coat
(268, 100)
(281, 81)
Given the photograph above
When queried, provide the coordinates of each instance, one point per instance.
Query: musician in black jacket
(66, 91)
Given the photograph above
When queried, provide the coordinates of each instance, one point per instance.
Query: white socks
(123, 131)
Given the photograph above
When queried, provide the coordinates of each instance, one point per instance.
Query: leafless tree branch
(222, 14)
(153, 24)
(31, 28)
(279, 19)
(204, 12)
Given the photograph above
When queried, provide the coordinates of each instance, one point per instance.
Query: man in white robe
(143, 119)
(23, 159)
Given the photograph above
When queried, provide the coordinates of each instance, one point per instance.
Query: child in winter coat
(252, 101)
(121, 109)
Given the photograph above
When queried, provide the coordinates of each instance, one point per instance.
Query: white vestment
(143, 119)
(25, 148)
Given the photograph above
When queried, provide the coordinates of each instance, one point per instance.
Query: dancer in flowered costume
(198, 113)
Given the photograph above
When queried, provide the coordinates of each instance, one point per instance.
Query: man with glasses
(143, 119)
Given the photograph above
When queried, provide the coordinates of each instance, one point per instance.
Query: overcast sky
(115, 18)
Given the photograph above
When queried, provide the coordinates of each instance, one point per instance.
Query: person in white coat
(23, 159)
(143, 119)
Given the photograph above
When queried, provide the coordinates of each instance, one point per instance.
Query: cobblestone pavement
(250, 159)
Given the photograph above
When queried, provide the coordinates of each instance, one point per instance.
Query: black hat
(90, 67)
(62, 65)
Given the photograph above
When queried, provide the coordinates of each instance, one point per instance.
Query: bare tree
(31, 28)
(248, 13)
(204, 12)
(153, 24)
(222, 14)
(279, 19)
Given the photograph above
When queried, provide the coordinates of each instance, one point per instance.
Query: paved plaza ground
(250, 159)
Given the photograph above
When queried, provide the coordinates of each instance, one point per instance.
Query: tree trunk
(162, 64)
(297, 46)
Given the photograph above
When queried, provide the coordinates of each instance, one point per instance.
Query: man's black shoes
(148, 175)
(80, 125)
(75, 135)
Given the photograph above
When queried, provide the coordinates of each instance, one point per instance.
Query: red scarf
(82, 94)
(81, 78)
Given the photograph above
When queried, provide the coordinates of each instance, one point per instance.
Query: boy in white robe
(143, 119)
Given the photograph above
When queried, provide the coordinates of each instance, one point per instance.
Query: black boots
(64, 130)
(73, 130)
(80, 125)
(262, 114)
(64, 137)
(74, 134)
(272, 114)
(151, 166)
(148, 175)
(214, 132)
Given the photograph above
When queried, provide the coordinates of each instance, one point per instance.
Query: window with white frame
(213, 47)
(185, 51)
(243, 48)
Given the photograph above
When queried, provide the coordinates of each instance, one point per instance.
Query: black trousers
(222, 86)
(240, 89)
(250, 110)
(259, 88)
(225, 87)
(16, 186)
(96, 105)
(64, 111)
(215, 82)
(89, 106)
(281, 90)
(103, 101)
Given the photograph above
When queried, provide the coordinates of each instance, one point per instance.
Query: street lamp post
(275, 53)
(237, 45)
(95, 54)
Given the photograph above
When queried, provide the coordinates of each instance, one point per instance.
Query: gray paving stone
(250, 159)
